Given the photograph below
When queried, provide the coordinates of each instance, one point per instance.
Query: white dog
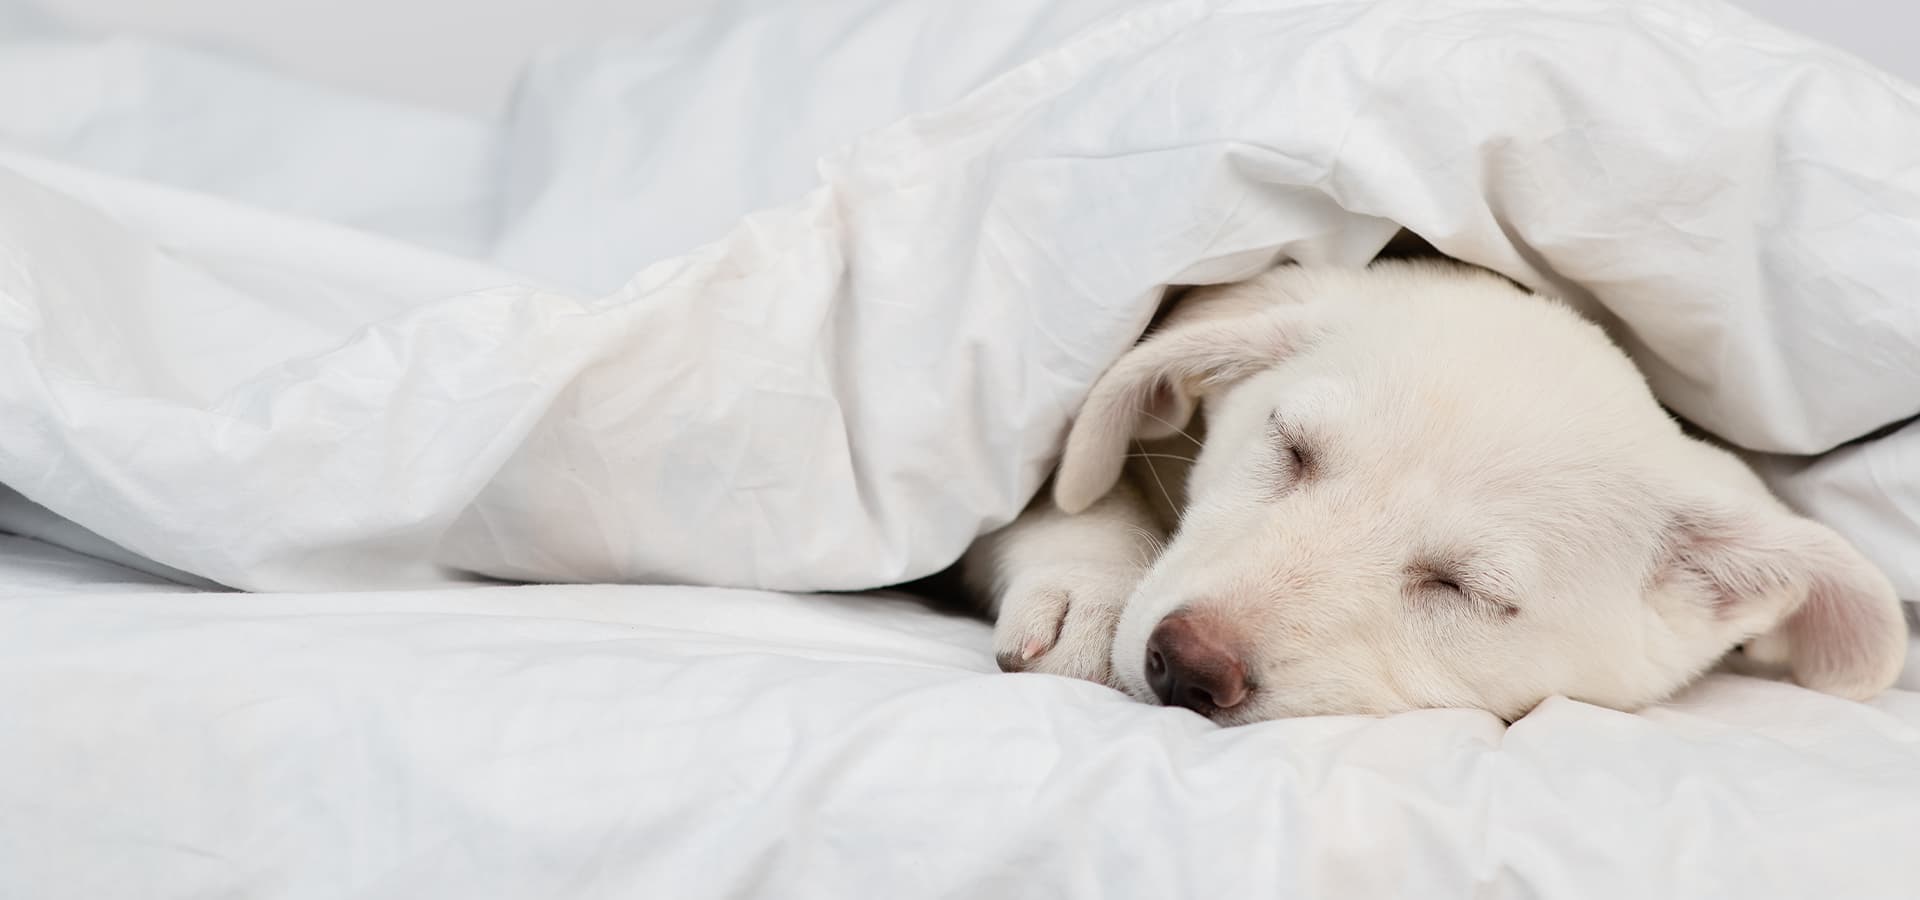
(1413, 485)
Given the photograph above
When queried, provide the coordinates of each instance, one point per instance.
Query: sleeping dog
(1328, 491)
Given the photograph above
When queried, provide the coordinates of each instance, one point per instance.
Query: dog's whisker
(1164, 493)
(1174, 456)
(1176, 429)
(1154, 545)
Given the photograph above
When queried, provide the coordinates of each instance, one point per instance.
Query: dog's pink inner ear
(1767, 570)
(1837, 634)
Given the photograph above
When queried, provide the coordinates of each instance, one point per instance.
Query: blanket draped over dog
(277, 370)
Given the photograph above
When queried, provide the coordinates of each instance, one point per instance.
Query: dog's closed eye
(1429, 586)
(1443, 584)
(1293, 458)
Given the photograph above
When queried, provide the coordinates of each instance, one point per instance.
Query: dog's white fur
(1417, 486)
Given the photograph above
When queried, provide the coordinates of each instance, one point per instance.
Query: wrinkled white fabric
(288, 339)
(602, 742)
(843, 390)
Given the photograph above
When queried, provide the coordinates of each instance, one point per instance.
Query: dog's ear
(1152, 391)
(1758, 571)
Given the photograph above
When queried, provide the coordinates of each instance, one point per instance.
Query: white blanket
(257, 332)
(842, 391)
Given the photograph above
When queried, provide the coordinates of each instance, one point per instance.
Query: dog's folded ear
(1152, 391)
(1763, 571)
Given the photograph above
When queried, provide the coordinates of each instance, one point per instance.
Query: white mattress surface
(513, 742)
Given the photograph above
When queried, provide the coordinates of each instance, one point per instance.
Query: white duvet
(259, 334)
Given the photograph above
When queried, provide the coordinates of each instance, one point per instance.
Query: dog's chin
(1127, 657)
(1130, 677)
(1236, 717)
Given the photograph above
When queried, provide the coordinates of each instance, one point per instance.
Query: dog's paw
(1061, 624)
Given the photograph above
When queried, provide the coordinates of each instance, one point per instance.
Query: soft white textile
(287, 339)
(842, 391)
(606, 742)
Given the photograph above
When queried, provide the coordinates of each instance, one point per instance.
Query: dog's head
(1421, 486)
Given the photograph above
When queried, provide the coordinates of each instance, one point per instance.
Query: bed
(595, 741)
(438, 395)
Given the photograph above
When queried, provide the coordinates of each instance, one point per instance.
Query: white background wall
(464, 53)
(1883, 32)
(460, 53)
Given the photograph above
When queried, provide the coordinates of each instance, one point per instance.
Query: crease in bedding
(804, 304)
(874, 362)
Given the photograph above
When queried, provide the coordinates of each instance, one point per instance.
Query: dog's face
(1421, 487)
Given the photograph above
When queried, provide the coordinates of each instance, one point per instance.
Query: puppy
(1415, 485)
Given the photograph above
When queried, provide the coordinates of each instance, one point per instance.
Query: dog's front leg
(1056, 583)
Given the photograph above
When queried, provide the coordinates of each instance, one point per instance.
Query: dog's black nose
(1190, 663)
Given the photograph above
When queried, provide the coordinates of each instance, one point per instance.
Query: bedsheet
(597, 741)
